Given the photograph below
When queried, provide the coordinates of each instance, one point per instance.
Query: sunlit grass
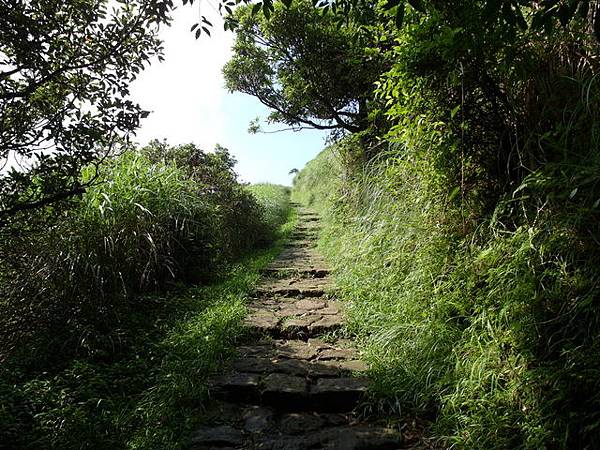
(459, 328)
(150, 390)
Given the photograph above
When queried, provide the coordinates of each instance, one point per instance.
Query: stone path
(296, 385)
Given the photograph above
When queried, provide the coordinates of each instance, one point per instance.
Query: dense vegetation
(123, 270)
(463, 225)
(461, 195)
(65, 70)
(111, 320)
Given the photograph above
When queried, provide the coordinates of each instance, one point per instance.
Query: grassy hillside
(115, 314)
(490, 330)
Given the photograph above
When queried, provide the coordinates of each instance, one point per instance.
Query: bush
(275, 202)
(489, 330)
(152, 222)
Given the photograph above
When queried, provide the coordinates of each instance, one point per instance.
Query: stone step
(304, 235)
(298, 264)
(299, 254)
(339, 438)
(302, 271)
(336, 394)
(293, 317)
(295, 286)
(234, 425)
(308, 227)
(310, 350)
(297, 327)
(330, 368)
(300, 243)
(304, 231)
(305, 218)
(307, 272)
(291, 392)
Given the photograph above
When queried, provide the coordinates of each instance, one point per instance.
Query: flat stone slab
(330, 310)
(344, 366)
(296, 367)
(299, 269)
(295, 286)
(294, 317)
(263, 321)
(299, 243)
(287, 392)
(339, 438)
(258, 419)
(238, 385)
(337, 394)
(337, 353)
(325, 324)
(219, 436)
(334, 385)
(310, 304)
(300, 423)
(299, 349)
(299, 325)
(299, 258)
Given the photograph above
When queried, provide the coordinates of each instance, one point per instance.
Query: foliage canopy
(307, 70)
(65, 69)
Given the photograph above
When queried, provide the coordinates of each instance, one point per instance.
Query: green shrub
(241, 224)
(275, 203)
(489, 330)
(150, 223)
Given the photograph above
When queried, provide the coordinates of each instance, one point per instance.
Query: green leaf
(573, 193)
(256, 8)
(400, 15)
(287, 3)
(453, 193)
(454, 111)
(390, 4)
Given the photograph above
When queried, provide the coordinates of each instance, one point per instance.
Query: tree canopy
(307, 70)
(65, 69)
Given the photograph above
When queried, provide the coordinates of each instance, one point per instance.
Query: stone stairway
(295, 386)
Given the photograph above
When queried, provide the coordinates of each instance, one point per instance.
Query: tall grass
(490, 331)
(148, 226)
(275, 202)
(116, 349)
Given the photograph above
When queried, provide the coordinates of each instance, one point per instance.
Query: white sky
(189, 104)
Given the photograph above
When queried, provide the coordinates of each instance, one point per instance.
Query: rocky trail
(296, 385)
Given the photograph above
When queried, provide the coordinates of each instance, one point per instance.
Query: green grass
(149, 388)
(488, 332)
(274, 199)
